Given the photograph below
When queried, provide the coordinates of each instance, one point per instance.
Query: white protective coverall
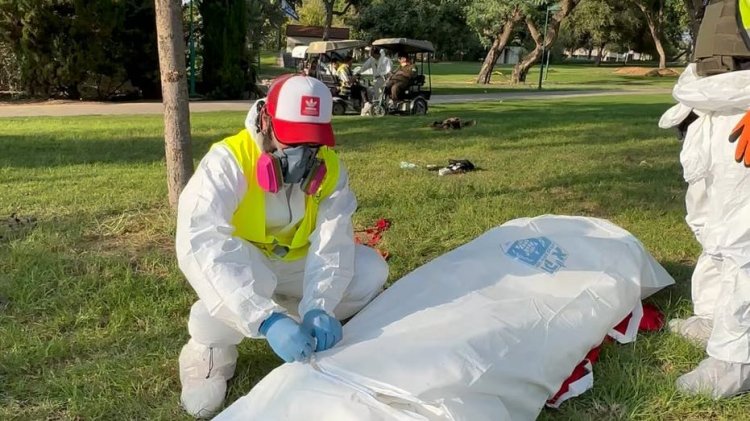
(239, 286)
(486, 332)
(381, 67)
(718, 212)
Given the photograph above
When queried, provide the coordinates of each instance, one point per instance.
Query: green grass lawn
(93, 308)
(459, 77)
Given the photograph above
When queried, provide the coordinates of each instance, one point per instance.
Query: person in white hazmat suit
(264, 224)
(713, 118)
(381, 65)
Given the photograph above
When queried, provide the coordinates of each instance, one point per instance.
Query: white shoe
(716, 378)
(695, 329)
(204, 372)
(366, 109)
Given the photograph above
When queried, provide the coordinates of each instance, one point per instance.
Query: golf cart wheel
(419, 106)
(378, 110)
(338, 108)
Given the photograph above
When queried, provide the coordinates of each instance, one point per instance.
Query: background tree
(336, 8)
(137, 50)
(10, 75)
(495, 22)
(654, 13)
(693, 8)
(312, 13)
(598, 24)
(450, 32)
(441, 22)
(266, 23)
(534, 18)
(677, 32)
(226, 62)
(177, 140)
(62, 47)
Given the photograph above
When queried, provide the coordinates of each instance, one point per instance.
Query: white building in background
(583, 53)
(510, 55)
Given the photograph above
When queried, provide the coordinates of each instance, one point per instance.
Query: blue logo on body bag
(539, 252)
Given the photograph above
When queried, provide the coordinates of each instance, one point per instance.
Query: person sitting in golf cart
(333, 65)
(311, 67)
(401, 79)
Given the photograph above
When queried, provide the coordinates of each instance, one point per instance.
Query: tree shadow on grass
(30, 151)
(515, 122)
(584, 122)
(618, 81)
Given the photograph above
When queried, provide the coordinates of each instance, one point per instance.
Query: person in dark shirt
(401, 79)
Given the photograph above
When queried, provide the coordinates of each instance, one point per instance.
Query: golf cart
(416, 96)
(322, 53)
(299, 55)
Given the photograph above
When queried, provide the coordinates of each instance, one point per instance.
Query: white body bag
(486, 332)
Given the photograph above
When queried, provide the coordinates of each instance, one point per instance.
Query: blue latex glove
(287, 338)
(325, 328)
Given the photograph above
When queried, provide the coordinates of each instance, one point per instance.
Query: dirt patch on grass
(144, 241)
(16, 226)
(646, 71)
(608, 411)
(132, 234)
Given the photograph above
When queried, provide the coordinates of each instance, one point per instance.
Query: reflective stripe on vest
(249, 220)
(744, 19)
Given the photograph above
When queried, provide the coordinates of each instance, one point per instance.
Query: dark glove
(683, 126)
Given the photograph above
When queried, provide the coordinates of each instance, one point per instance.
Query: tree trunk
(655, 34)
(599, 55)
(682, 54)
(521, 69)
(655, 22)
(694, 9)
(501, 40)
(553, 29)
(485, 73)
(329, 18)
(175, 96)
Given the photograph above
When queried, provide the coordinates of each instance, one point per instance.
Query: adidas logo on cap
(310, 106)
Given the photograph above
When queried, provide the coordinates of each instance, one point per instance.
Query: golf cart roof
(299, 51)
(321, 47)
(405, 44)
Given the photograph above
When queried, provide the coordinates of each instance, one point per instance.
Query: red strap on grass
(372, 236)
(652, 320)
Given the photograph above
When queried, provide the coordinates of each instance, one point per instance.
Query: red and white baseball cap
(300, 110)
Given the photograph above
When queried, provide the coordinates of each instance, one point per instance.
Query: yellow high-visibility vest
(249, 220)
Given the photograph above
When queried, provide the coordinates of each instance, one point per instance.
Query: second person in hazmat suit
(381, 66)
(265, 237)
(713, 115)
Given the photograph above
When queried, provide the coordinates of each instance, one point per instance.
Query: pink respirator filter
(268, 172)
(314, 182)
